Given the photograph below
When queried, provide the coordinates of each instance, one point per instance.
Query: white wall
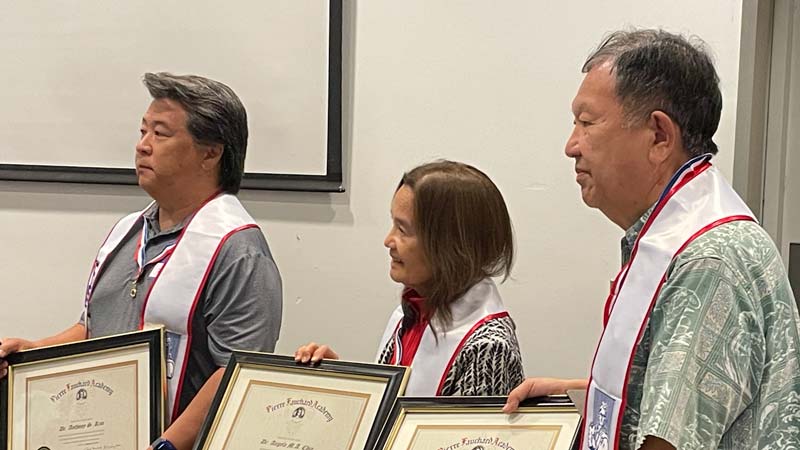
(488, 83)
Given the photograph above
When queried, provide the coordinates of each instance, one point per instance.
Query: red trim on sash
(101, 247)
(153, 284)
(93, 279)
(179, 390)
(464, 341)
(700, 232)
(624, 399)
(623, 273)
(177, 241)
(690, 175)
(610, 298)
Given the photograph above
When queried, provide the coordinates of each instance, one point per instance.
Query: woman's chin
(395, 276)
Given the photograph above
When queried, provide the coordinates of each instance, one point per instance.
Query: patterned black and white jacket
(487, 362)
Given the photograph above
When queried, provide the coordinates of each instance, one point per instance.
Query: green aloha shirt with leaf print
(718, 365)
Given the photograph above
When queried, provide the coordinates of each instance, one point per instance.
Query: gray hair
(658, 70)
(214, 115)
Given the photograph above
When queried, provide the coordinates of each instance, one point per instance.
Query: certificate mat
(100, 399)
(284, 406)
(483, 428)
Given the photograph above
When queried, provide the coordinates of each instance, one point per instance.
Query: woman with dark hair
(450, 234)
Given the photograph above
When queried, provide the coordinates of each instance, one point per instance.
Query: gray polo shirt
(239, 308)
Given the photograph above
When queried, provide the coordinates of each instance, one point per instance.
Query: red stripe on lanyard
(141, 246)
(139, 254)
(685, 178)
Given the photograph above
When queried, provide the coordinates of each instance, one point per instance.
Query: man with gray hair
(700, 348)
(193, 260)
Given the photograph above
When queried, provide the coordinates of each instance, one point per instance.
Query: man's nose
(571, 149)
(388, 241)
(143, 146)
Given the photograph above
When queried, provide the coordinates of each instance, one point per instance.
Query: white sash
(432, 361)
(112, 241)
(697, 200)
(177, 287)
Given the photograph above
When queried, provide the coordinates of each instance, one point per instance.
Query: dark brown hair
(658, 70)
(464, 229)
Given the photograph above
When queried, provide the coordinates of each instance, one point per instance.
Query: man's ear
(212, 156)
(666, 136)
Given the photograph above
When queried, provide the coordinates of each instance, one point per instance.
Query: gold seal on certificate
(268, 402)
(478, 423)
(97, 394)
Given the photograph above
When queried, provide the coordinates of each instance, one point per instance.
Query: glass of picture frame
(103, 393)
(478, 423)
(268, 401)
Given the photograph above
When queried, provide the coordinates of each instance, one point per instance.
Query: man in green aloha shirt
(716, 363)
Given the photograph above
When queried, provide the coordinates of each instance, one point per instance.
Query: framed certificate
(104, 393)
(270, 402)
(478, 423)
